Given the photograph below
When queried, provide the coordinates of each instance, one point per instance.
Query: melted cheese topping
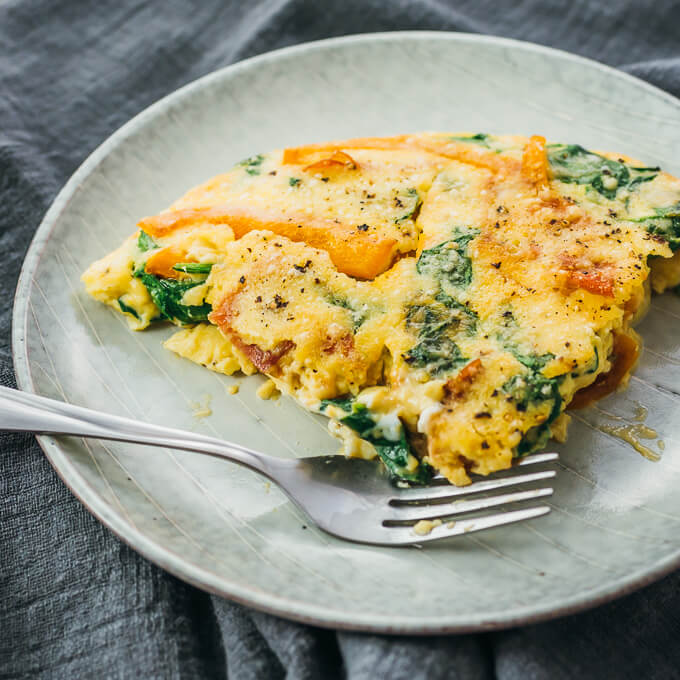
(205, 345)
(451, 293)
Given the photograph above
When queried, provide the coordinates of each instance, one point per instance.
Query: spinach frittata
(442, 298)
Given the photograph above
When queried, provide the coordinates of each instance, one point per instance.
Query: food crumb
(233, 389)
(267, 487)
(450, 525)
(425, 526)
(201, 409)
(268, 390)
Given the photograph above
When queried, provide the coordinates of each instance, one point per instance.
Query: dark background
(77, 603)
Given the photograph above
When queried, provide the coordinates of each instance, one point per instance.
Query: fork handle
(25, 412)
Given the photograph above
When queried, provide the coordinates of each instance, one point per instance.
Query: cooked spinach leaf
(664, 223)
(127, 309)
(449, 262)
(534, 362)
(534, 439)
(435, 319)
(396, 457)
(574, 164)
(359, 419)
(343, 403)
(167, 296)
(435, 325)
(507, 329)
(358, 314)
(480, 138)
(451, 267)
(533, 388)
(193, 267)
(145, 242)
(395, 454)
(467, 317)
(436, 355)
(411, 201)
(640, 175)
(671, 211)
(294, 181)
(253, 164)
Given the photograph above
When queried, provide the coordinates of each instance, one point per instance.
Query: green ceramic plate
(616, 514)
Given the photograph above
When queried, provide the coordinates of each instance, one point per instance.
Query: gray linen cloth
(77, 603)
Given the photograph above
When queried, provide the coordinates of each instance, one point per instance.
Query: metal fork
(350, 498)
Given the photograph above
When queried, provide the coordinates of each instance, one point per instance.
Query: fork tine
(404, 535)
(536, 458)
(405, 513)
(525, 460)
(421, 494)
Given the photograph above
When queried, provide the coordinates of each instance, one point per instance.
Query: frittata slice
(442, 298)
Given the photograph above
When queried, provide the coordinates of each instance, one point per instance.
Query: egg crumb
(268, 390)
(425, 526)
(201, 409)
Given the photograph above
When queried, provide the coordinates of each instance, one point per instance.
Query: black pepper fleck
(302, 268)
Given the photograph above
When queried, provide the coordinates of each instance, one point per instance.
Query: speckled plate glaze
(616, 515)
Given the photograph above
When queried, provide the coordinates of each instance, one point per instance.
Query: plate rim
(162, 556)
